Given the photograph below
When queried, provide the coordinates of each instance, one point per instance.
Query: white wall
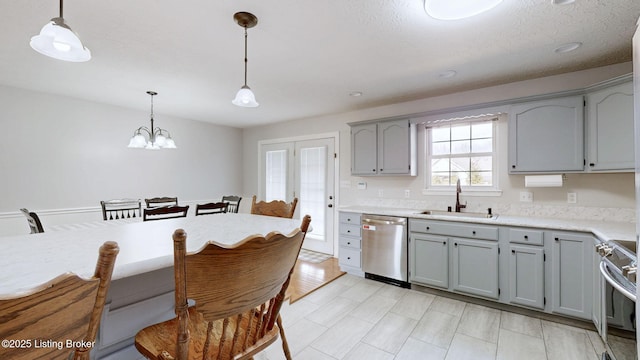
(60, 156)
(595, 191)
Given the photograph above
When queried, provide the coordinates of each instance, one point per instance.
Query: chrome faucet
(458, 191)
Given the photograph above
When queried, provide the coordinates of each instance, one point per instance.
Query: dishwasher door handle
(382, 222)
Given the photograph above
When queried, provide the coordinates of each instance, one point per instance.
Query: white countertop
(604, 230)
(27, 261)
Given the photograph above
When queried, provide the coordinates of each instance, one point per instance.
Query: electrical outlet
(572, 198)
(407, 193)
(380, 193)
(526, 196)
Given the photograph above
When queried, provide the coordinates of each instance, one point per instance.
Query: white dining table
(27, 261)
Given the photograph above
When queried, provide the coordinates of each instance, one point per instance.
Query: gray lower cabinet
(547, 136)
(526, 275)
(429, 260)
(350, 243)
(596, 291)
(572, 274)
(475, 267)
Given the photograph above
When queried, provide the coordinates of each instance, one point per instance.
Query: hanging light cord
(61, 8)
(245, 55)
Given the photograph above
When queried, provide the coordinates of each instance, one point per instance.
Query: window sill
(466, 192)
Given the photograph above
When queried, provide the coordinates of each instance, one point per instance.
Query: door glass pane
(313, 187)
(276, 175)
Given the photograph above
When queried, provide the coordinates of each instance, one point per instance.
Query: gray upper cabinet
(383, 148)
(364, 146)
(547, 136)
(610, 129)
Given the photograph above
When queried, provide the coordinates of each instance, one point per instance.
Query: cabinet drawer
(349, 218)
(349, 257)
(526, 236)
(350, 229)
(474, 231)
(351, 242)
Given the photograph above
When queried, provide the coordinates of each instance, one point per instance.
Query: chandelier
(155, 139)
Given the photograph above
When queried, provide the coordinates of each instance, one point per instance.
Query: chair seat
(158, 341)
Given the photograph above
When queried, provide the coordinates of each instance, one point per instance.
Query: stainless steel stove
(618, 267)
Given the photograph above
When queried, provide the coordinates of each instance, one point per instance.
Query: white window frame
(492, 190)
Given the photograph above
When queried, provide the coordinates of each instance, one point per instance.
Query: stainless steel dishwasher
(384, 249)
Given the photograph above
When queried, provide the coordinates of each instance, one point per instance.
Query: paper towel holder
(555, 180)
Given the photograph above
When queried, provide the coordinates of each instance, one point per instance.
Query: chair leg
(285, 345)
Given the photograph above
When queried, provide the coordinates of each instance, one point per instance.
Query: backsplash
(544, 211)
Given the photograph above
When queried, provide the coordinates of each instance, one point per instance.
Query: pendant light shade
(458, 9)
(245, 97)
(57, 40)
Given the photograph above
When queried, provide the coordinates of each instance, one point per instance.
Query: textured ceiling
(305, 57)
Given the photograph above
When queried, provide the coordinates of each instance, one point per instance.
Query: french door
(304, 169)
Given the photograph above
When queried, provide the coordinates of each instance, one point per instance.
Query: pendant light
(245, 97)
(157, 138)
(458, 9)
(57, 40)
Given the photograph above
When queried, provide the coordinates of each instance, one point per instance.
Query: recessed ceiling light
(565, 48)
(563, 2)
(458, 9)
(355, 93)
(447, 74)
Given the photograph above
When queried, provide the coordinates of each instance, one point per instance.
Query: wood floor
(308, 277)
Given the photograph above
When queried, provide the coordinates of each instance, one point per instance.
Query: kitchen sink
(459, 214)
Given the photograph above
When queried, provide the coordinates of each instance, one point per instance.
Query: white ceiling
(305, 57)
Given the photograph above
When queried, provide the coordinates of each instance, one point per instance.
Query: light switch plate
(572, 198)
(362, 185)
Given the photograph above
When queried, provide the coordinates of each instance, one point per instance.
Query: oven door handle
(614, 283)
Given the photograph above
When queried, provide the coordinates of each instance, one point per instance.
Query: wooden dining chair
(34, 221)
(165, 212)
(238, 292)
(161, 201)
(121, 209)
(233, 201)
(211, 208)
(67, 308)
(276, 208)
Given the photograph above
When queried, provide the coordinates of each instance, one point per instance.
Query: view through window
(461, 150)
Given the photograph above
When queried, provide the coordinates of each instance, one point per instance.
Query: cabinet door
(572, 275)
(597, 292)
(475, 267)
(394, 150)
(610, 128)
(547, 136)
(526, 275)
(363, 149)
(429, 260)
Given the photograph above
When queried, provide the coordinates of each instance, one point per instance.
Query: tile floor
(355, 318)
